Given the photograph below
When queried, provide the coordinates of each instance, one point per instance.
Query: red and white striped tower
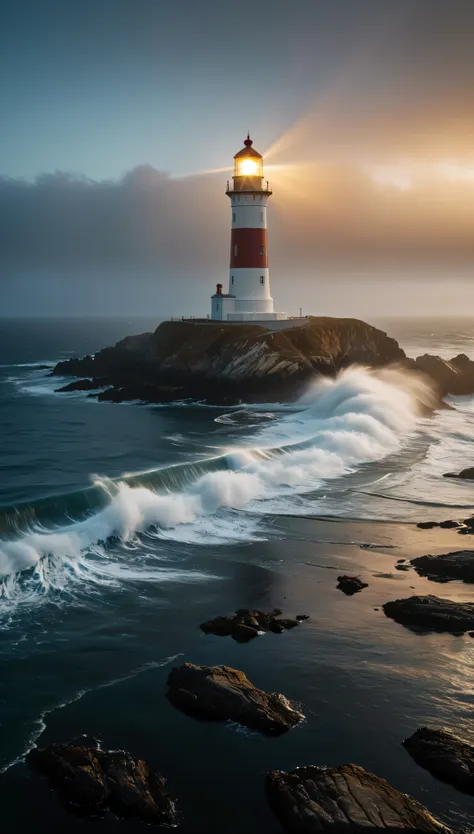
(248, 298)
(249, 278)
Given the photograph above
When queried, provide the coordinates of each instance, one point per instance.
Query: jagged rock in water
(350, 584)
(343, 799)
(432, 613)
(465, 474)
(93, 780)
(82, 385)
(221, 693)
(456, 565)
(445, 755)
(453, 377)
(427, 525)
(246, 624)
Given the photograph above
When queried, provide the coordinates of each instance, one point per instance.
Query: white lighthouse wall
(249, 198)
(249, 217)
(250, 294)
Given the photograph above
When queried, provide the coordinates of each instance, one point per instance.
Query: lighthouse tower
(249, 297)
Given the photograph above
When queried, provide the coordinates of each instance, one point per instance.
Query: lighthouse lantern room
(249, 297)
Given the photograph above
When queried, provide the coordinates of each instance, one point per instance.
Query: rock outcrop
(456, 565)
(246, 624)
(455, 376)
(445, 755)
(464, 474)
(221, 693)
(343, 799)
(432, 613)
(350, 584)
(94, 780)
(82, 385)
(186, 359)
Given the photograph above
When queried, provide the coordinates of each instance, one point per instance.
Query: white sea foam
(358, 417)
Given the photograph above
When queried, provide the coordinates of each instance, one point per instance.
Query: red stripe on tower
(248, 248)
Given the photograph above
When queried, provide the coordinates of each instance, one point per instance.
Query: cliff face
(236, 352)
(181, 353)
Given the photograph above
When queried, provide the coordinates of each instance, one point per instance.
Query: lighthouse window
(262, 279)
(261, 216)
(233, 217)
(235, 250)
(232, 280)
(261, 250)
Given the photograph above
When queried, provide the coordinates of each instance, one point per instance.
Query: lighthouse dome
(248, 163)
(248, 151)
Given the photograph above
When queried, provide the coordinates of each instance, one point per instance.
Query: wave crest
(359, 416)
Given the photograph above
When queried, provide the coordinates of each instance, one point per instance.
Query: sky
(119, 120)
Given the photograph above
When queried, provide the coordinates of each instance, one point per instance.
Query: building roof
(248, 150)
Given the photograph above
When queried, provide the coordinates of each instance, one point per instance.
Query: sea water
(122, 527)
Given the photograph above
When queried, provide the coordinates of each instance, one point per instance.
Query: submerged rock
(456, 565)
(94, 780)
(445, 755)
(343, 799)
(350, 584)
(221, 693)
(246, 624)
(432, 613)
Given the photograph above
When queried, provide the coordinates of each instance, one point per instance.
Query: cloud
(69, 244)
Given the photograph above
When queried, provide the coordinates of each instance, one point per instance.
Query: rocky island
(225, 363)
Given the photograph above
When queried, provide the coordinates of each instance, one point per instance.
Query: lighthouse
(249, 297)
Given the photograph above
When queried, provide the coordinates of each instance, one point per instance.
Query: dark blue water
(89, 631)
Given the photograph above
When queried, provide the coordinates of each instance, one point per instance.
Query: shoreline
(341, 666)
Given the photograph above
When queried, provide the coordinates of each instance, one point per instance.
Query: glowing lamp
(247, 167)
(247, 163)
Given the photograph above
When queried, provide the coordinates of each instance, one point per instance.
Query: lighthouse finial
(248, 141)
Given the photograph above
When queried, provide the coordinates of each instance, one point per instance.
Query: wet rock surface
(465, 474)
(93, 780)
(221, 693)
(445, 755)
(464, 527)
(82, 385)
(455, 376)
(343, 799)
(246, 624)
(459, 564)
(432, 613)
(350, 585)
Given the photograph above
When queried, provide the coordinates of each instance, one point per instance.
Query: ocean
(123, 527)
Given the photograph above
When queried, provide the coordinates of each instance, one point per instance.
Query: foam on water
(358, 417)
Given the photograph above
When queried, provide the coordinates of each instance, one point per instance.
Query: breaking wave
(360, 416)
